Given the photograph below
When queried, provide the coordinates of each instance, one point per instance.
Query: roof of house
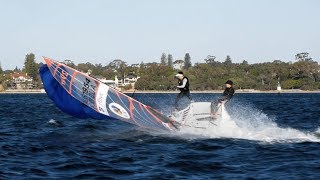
(17, 75)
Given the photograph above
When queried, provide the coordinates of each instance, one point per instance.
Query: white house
(109, 82)
(22, 80)
(129, 79)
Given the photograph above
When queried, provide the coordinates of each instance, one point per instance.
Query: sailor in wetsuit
(183, 85)
(226, 96)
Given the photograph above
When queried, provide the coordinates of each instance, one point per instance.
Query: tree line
(303, 73)
(210, 74)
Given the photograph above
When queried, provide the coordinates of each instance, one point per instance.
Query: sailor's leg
(179, 96)
(215, 106)
(188, 95)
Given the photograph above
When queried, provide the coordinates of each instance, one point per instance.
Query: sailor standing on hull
(226, 96)
(183, 85)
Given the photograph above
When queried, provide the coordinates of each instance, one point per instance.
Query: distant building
(129, 79)
(119, 82)
(135, 65)
(21, 81)
(111, 83)
(178, 64)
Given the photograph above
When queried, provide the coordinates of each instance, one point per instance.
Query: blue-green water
(275, 139)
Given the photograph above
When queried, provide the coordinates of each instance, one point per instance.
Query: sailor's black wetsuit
(184, 90)
(226, 96)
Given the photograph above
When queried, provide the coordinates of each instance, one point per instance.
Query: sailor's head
(179, 75)
(229, 84)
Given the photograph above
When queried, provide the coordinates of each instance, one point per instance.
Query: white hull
(198, 115)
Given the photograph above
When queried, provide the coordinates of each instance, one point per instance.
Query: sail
(82, 96)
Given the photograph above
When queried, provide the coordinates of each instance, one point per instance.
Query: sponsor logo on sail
(101, 98)
(119, 110)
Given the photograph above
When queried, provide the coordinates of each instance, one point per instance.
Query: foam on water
(246, 122)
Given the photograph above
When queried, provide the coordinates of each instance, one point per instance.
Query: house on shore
(119, 82)
(129, 79)
(21, 80)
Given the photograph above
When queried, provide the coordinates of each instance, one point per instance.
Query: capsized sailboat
(83, 96)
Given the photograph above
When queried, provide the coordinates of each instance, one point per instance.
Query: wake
(248, 123)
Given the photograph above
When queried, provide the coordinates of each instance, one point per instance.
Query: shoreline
(24, 91)
(221, 91)
(42, 91)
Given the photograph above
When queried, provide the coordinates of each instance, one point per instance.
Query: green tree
(303, 74)
(69, 63)
(170, 60)
(244, 62)
(291, 84)
(1, 71)
(210, 59)
(84, 67)
(31, 67)
(16, 69)
(156, 78)
(163, 59)
(187, 61)
(303, 57)
(228, 61)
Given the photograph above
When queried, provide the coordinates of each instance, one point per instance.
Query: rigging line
(158, 108)
(152, 100)
(154, 122)
(133, 93)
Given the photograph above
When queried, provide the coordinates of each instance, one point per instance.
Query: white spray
(248, 123)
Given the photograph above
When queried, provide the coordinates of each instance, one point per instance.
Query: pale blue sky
(99, 31)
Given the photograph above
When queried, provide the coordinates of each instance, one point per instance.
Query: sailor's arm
(227, 95)
(184, 82)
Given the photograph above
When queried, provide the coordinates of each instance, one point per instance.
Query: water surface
(37, 140)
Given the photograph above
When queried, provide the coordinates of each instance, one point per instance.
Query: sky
(99, 31)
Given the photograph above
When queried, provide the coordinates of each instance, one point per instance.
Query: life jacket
(228, 93)
(186, 87)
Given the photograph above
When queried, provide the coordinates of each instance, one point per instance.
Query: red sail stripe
(71, 81)
(155, 117)
(131, 111)
(56, 69)
(48, 61)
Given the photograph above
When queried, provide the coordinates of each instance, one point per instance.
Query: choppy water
(274, 138)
